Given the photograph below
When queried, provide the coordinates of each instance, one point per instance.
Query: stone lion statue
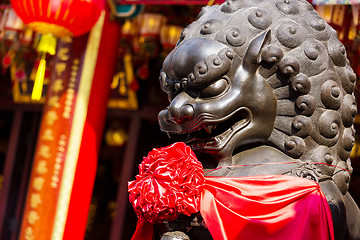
(252, 82)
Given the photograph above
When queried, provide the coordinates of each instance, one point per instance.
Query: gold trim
(210, 3)
(112, 7)
(77, 127)
(48, 14)
(32, 7)
(58, 11)
(66, 14)
(40, 7)
(131, 102)
(44, 27)
(26, 8)
(114, 12)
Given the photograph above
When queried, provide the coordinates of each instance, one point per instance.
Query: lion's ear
(252, 56)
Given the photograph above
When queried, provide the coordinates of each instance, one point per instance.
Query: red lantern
(59, 17)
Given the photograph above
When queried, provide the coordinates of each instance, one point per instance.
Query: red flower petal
(169, 183)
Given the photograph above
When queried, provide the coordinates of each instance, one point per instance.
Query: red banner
(60, 136)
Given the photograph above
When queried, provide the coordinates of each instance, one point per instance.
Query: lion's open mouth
(217, 134)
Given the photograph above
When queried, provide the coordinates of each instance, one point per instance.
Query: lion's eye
(167, 85)
(214, 89)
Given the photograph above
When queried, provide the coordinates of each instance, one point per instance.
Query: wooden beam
(26, 175)
(9, 165)
(126, 173)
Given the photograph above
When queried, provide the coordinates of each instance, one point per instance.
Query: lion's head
(262, 72)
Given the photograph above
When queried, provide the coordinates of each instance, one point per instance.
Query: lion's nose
(181, 114)
(181, 109)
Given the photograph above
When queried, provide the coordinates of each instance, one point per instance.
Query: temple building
(79, 102)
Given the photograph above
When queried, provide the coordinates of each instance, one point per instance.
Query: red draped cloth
(265, 207)
(261, 207)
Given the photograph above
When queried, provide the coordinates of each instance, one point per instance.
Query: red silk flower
(169, 183)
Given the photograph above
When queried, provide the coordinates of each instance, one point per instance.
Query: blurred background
(141, 34)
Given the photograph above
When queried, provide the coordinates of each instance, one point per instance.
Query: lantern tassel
(39, 79)
(46, 45)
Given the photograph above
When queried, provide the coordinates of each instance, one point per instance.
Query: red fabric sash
(265, 207)
(261, 207)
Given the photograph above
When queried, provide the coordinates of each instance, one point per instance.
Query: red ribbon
(261, 207)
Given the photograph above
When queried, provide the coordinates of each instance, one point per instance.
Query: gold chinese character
(67, 107)
(66, 39)
(76, 61)
(51, 117)
(72, 85)
(55, 178)
(57, 85)
(57, 166)
(69, 96)
(54, 185)
(41, 167)
(44, 151)
(48, 135)
(68, 103)
(54, 101)
(32, 217)
(63, 54)
(61, 149)
(38, 183)
(35, 200)
(66, 115)
(115, 81)
(59, 155)
(62, 142)
(60, 68)
(70, 93)
(29, 234)
(75, 66)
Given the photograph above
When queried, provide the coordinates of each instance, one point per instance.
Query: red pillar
(65, 162)
(92, 136)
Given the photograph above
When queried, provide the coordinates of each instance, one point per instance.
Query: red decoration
(144, 72)
(169, 183)
(134, 85)
(260, 207)
(20, 75)
(6, 61)
(266, 207)
(60, 17)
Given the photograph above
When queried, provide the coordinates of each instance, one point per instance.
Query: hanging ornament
(27, 36)
(59, 17)
(149, 34)
(144, 71)
(10, 28)
(169, 37)
(13, 26)
(20, 75)
(56, 18)
(116, 136)
(6, 61)
(46, 45)
(134, 85)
